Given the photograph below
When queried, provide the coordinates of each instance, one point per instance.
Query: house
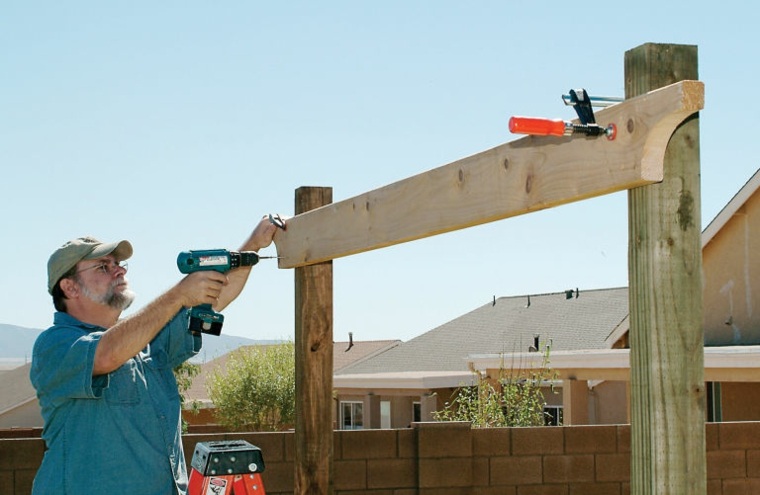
(18, 399)
(344, 354)
(411, 381)
(588, 336)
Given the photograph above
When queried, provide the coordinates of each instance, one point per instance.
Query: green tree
(515, 398)
(257, 389)
(184, 374)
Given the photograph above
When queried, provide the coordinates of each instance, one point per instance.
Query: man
(105, 385)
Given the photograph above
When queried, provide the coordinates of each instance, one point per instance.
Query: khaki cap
(83, 248)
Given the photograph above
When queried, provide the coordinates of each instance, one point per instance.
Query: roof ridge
(729, 209)
(371, 355)
(562, 293)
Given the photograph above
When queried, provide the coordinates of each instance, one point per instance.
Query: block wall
(454, 459)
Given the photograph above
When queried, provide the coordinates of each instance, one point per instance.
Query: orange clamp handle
(536, 126)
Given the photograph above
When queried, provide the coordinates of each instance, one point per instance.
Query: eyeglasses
(107, 267)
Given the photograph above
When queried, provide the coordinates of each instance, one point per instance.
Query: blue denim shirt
(115, 433)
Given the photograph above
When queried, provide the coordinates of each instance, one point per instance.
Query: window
(352, 415)
(385, 414)
(416, 412)
(714, 409)
(553, 415)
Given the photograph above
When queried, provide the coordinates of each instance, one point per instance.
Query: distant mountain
(213, 346)
(16, 343)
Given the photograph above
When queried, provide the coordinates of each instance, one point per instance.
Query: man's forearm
(260, 238)
(129, 336)
(237, 279)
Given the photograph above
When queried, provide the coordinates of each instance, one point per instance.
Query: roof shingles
(508, 325)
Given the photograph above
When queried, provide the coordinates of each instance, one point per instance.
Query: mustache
(110, 297)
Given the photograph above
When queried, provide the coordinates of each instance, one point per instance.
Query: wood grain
(525, 175)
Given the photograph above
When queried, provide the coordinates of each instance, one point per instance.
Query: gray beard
(110, 298)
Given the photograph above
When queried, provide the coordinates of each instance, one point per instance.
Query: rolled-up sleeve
(62, 365)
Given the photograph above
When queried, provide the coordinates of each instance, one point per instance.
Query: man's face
(103, 281)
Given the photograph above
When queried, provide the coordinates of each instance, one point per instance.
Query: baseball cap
(83, 248)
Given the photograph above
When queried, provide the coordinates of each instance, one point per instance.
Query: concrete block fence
(454, 459)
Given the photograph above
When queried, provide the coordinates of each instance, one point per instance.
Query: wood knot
(529, 183)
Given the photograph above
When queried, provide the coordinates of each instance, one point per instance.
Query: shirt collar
(61, 318)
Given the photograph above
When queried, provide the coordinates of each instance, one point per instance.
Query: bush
(257, 388)
(515, 398)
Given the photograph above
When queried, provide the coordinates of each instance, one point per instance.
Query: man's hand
(262, 236)
(202, 287)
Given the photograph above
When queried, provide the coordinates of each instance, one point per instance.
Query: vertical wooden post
(314, 364)
(665, 276)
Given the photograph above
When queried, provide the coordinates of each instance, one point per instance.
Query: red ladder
(226, 468)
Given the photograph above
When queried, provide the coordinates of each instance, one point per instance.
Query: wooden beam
(528, 174)
(314, 365)
(665, 276)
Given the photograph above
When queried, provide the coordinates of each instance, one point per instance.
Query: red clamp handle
(537, 126)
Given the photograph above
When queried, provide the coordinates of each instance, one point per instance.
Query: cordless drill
(203, 319)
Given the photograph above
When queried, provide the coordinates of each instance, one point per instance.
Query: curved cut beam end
(691, 99)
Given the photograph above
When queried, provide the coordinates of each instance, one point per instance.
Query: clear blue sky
(176, 125)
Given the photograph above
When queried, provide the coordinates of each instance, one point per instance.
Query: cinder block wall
(453, 459)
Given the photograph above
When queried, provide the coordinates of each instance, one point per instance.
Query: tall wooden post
(314, 364)
(665, 276)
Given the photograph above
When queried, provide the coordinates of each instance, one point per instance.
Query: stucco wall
(740, 401)
(608, 403)
(731, 267)
(25, 416)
